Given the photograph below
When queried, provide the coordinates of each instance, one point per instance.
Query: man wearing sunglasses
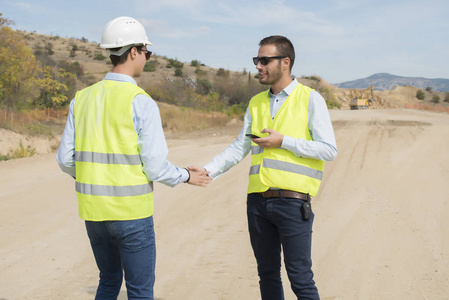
(289, 133)
(114, 146)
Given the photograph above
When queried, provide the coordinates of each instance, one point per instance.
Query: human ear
(133, 52)
(286, 63)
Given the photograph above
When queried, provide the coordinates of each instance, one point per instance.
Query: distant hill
(385, 81)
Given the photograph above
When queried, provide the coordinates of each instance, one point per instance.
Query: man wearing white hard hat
(114, 146)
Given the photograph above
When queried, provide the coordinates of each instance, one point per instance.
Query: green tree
(70, 80)
(446, 99)
(18, 70)
(53, 92)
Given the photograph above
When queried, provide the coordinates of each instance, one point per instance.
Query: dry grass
(176, 119)
(428, 107)
(43, 122)
(51, 122)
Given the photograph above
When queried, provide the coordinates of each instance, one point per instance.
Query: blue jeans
(274, 223)
(124, 246)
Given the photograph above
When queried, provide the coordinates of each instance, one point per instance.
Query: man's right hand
(199, 176)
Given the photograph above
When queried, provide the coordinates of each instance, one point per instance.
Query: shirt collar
(120, 77)
(287, 90)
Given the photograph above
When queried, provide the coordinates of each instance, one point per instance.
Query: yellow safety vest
(110, 182)
(276, 167)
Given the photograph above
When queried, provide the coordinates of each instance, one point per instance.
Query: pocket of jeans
(135, 234)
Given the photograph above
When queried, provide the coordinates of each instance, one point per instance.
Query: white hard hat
(122, 32)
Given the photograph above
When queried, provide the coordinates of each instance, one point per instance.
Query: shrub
(420, 95)
(313, 77)
(39, 128)
(330, 98)
(178, 72)
(22, 151)
(223, 73)
(49, 48)
(150, 67)
(72, 67)
(200, 72)
(195, 63)
(4, 157)
(436, 99)
(174, 63)
(203, 86)
(236, 110)
(99, 56)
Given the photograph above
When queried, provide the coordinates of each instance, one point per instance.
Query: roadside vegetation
(20, 152)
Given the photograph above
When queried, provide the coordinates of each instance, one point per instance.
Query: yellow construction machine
(363, 102)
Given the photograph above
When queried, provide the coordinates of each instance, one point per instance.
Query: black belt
(285, 194)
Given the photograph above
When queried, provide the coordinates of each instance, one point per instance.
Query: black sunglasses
(146, 51)
(265, 59)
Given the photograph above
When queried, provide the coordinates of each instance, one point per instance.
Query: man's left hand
(274, 140)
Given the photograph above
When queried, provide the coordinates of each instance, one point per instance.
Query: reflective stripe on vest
(277, 167)
(288, 167)
(108, 158)
(114, 191)
(256, 150)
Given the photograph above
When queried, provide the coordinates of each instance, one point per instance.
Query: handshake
(199, 176)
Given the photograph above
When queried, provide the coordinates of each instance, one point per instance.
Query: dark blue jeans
(274, 223)
(124, 246)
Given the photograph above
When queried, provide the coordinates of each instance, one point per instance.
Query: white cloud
(255, 13)
(23, 5)
(153, 6)
(158, 28)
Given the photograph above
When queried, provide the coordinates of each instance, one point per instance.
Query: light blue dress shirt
(151, 140)
(322, 146)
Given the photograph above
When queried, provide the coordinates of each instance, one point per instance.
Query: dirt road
(381, 227)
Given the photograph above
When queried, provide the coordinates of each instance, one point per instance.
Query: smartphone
(252, 136)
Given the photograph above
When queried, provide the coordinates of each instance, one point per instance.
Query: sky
(338, 40)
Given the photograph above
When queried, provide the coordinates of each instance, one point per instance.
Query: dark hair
(118, 60)
(283, 46)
